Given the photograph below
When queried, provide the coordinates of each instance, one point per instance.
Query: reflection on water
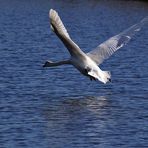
(99, 121)
(67, 120)
(68, 107)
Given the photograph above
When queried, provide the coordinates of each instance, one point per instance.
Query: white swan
(87, 63)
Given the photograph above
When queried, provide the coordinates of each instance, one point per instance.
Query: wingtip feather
(52, 13)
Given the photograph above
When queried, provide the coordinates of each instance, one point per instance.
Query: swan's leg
(94, 78)
(90, 78)
(110, 80)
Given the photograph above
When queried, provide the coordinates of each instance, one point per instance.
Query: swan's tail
(106, 76)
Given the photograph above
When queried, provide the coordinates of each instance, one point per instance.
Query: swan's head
(48, 64)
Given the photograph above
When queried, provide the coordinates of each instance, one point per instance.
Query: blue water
(58, 107)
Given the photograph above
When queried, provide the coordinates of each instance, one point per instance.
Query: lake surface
(58, 107)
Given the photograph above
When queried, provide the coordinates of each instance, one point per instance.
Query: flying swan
(87, 63)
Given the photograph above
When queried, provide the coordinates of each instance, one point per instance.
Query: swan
(88, 63)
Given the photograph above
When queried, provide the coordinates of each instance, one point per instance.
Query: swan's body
(89, 68)
(88, 63)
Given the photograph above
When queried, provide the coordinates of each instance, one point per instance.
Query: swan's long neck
(52, 64)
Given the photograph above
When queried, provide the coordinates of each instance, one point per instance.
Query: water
(58, 107)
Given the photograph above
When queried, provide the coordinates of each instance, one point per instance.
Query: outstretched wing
(107, 48)
(58, 27)
(57, 24)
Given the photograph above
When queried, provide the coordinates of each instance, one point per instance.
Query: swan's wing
(58, 27)
(107, 48)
